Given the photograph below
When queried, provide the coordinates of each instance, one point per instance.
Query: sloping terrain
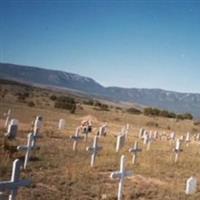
(173, 101)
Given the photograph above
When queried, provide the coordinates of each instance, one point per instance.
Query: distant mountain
(173, 101)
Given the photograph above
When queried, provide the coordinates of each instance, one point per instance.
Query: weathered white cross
(38, 124)
(121, 175)
(76, 138)
(148, 139)
(15, 182)
(27, 148)
(141, 132)
(103, 130)
(7, 115)
(135, 150)
(177, 149)
(94, 150)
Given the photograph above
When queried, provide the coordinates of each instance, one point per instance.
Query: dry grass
(59, 173)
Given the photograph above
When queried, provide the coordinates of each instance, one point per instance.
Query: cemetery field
(59, 173)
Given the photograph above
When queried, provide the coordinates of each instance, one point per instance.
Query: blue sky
(145, 44)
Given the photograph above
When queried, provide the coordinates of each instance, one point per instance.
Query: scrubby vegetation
(65, 102)
(133, 110)
(164, 113)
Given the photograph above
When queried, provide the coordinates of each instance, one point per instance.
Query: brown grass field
(58, 173)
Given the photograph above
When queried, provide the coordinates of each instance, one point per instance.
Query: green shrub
(89, 102)
(53, 97)
(133, 110)
(67, 103)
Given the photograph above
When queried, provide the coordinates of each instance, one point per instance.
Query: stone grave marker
(12, 129)
(191, 185)
(121, 175)
(94, 149)
(120, 142)
(15, 183)
(61, 124)
(135, 150)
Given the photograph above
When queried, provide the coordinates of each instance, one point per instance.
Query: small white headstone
(12, 129)
(61, 124)
(191, 185)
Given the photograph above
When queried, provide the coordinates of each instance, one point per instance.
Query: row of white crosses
(15, 183)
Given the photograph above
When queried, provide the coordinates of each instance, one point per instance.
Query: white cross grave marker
(135, 150)
(38, 124)
(177, 149)
(155, 135)
(61, 124)
(197, 137)
(94, 150)
(15, 182)
(76, 138)
(120, 142)
(172, 136)
(141, 133)
(28, 148)
(191, 185)
(121, 175)
(7, 115)
(103, 130)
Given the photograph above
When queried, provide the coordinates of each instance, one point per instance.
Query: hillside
(173, 101)
(58, 172)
